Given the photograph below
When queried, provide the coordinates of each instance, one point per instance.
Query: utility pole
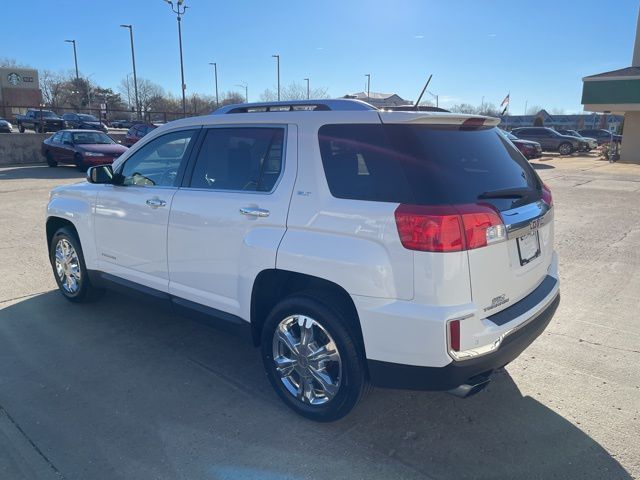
(307, 80)
(246, 90)
(135, 77)
(277, 57)
(75, 56)
(179, 9)
(368, 75)
(215, 75)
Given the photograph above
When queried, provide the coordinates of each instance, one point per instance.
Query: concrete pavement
(121, 389)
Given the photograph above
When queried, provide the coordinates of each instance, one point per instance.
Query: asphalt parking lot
(121, 390)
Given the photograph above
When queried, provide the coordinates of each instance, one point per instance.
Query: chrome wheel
(565, 149)
(67, 266)
(307, 360)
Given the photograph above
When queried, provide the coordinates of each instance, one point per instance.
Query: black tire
(20, 128)
(85, 292)
(39, 129)
(565, 148)
(353, 380)
(50, 161)
(79, 162)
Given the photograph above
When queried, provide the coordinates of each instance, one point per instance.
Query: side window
(541, 132)
(242, 158)
(157, 163)
(57, 138)
(66, 137)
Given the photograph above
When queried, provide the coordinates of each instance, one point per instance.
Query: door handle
(254, 212)
(156, 202)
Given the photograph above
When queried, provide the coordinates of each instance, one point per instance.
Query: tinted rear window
(423, 164)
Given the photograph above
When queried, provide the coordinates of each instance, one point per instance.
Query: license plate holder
(528, 247)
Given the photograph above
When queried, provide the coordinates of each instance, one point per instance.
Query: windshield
(87, 138)
(88, 118)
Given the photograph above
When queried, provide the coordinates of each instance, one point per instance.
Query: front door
(229, 218)
(131, 217)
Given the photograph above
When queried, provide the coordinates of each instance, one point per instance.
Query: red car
(82, 148)
(528, 148)
(136, 132)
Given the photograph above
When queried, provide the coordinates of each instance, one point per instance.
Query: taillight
(546, 195)
(448, 228)
(454, 335)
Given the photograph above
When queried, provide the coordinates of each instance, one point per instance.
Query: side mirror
(100, 174)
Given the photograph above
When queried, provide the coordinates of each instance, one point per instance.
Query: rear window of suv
(423, 164)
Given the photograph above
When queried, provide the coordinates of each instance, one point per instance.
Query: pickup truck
(40, 121)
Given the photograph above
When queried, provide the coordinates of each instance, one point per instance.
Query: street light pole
(368, 75)
(179, 13)
(307, 88)
(277, 57)
(246, 90)
(75, 56)
(434, 96)
(135, 77)
(215, 75)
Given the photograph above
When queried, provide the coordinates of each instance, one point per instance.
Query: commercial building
(19, 87)
(572, 122)
(618, 91)
(380, 100)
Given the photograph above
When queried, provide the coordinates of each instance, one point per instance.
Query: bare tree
(464, 108)
(12, 63)
(148, 92)
(53, 87)
(294, 91)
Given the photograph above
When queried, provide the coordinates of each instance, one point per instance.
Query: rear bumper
(454, 374)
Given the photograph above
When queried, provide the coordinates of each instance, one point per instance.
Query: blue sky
(537, 50)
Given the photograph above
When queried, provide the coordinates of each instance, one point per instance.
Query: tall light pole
(215, 76)
(434, 96)
(277, 57)
(368, 75)
(246, 90)
(135, 78)
(75, 56)
(307, 80)
(179, 8)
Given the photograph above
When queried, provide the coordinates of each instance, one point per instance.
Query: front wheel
(50, 161)
(80, 162)
(565, 148)
(69, 269)
(312, 359)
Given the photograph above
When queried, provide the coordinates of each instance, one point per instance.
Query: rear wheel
(312, 359)
(565, 148)
(79, 161)
(69, 269)
(50, 161)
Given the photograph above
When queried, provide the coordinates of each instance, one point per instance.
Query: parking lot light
(179, 9)
(75, 56)
(135, 78)
(277, 57)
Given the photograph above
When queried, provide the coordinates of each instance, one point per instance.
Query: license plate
(528, 247)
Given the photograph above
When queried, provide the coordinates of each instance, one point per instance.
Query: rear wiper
(506, 193)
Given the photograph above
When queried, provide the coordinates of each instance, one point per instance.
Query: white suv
(355, 246)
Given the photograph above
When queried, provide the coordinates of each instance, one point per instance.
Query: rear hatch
(463, 167)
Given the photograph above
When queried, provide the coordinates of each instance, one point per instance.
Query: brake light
(546, 195)
(448, 228)
(454, 335)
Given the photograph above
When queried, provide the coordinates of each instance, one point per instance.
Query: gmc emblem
(535, 224)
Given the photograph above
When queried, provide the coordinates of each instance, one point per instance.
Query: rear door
(230, 215)
(453, 165)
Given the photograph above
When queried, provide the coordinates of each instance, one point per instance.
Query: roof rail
(340, 104)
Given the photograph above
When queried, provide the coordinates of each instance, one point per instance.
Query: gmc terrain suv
(355, 246)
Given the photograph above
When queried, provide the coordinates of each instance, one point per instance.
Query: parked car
(590, 144)
(136, 132)
(5, 126)
(82, 148)
(39, 121)
(549, 139)
(121, 123)
(83, 121)
(528, 148)
(601, 135)
(345, 242)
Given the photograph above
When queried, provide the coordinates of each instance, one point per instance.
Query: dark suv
(601, 135)
(549, 139)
